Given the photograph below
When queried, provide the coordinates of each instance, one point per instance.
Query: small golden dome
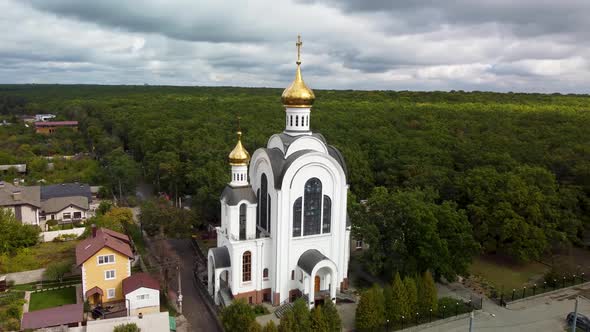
(239, 156)
(298, 94)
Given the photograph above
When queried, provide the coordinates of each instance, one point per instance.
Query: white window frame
(359, 244)
(106, 273)
(68, 214)
(109, 293)
(105, 260)
(143, 297)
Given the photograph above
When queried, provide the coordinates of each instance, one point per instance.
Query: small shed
(66, 315)
(142, 294)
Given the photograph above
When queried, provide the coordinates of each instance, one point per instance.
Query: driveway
(194, 307)
(545, 313)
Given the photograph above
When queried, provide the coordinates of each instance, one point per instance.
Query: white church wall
(306, 143)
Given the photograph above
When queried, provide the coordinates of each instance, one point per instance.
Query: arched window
(247, 266)
(292, 274)
(297, 217)
(296, 120)
(263, 201)
(327, 215)
(312, 203)
(291, 119)
(258, 208)
(265, 273)
(243, 222)
(268, 223)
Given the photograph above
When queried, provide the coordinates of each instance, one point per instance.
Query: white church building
(284, 229)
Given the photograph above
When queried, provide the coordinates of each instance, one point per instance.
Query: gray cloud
(498, 45)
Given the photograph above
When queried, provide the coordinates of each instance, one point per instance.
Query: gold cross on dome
(238, 118)
(299, 43)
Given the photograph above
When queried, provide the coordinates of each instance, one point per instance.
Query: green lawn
(53, 298)
(507, 275)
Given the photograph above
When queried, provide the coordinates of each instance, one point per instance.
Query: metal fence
(507, 296)
(444, 311)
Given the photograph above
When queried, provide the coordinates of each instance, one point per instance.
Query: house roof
(221, 257)
(55, 123)
(138, 280)
(94, 290)
(16, 195)
(308, 260)
(63, 315)
(233, 195)
(54, 205)
(21, 168)
(91, 245)
(66, 190)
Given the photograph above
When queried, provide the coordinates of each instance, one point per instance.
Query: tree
(400, 300)
(15, 235)
(57, 270)
(129, 327)
(270, 327)
(104, 207)
(318, 320)
(124, 172)
(254, 327)
(370, 312)
(115, 219)
(333, 321)
(160, 216)
(287, 322)
(427, 294)
(411, 294)
(301, 315)
(237, 315)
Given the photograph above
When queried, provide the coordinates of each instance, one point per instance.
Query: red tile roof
(56, 123)
(139, 280)
(63, 315)
(104, 238)
(94, 290)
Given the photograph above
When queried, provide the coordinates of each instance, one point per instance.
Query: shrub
(57, 270)
(130, 327)
(51, 223)
(259, 309)
(237, 316)
(65, 237)
(551, 276)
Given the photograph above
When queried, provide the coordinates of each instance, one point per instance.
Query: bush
(259, 310)
(237, 316)
(130, 327)
(449, 306)
(51, 222)
(552, 278)
(65, 237)
(57, 270)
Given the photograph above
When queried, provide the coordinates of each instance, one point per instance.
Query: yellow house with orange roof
(105, 258)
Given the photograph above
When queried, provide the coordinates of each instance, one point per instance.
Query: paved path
(194, 308)
(546, 313)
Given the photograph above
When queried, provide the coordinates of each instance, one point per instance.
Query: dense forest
(511, 171)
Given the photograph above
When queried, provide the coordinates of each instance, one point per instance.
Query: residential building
(24, 202)
(142, 294)
(50, 127)
(284, 232)
(20, 168)
(44, 117)
(105, 258)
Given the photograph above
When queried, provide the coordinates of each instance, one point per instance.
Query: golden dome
(239, 156)
(298, 94)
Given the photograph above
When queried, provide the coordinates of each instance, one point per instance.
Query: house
(23, 201)
(70, 315)
(50, 127)
(105, 258)
(142, 294)
(66, 202)
(44, 117)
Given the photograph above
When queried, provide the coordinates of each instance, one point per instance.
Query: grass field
(505, 274)
(38, 256)
(53, 298)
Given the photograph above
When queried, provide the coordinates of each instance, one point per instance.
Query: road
(546, 313)
(194, 308)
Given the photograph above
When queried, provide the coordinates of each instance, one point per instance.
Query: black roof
(309, 259)
(221, 257)
(233, 195)
(66, 190)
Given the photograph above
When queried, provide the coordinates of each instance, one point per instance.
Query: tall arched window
(263, 201)
(296, 120)
(265, 273)
(297, 217)
(269, 207)
(312, 207)
(258, 208)
(327, 215)
(247, 266)
(243, 222)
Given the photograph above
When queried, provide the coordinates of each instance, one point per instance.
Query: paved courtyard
(546, 313)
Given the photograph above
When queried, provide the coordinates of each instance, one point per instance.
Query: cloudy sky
(500, 45)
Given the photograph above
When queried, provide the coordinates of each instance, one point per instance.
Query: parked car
(582, 322)
(99, 312)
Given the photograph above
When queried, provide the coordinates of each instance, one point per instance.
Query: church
(284, 230)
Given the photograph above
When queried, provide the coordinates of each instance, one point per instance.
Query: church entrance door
(316, 287)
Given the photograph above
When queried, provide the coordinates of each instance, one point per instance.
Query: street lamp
(444, 310)
(430, 319)
(417, 318)
(523, 291)
(456, 308)
(387, 325)
(403, 322)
